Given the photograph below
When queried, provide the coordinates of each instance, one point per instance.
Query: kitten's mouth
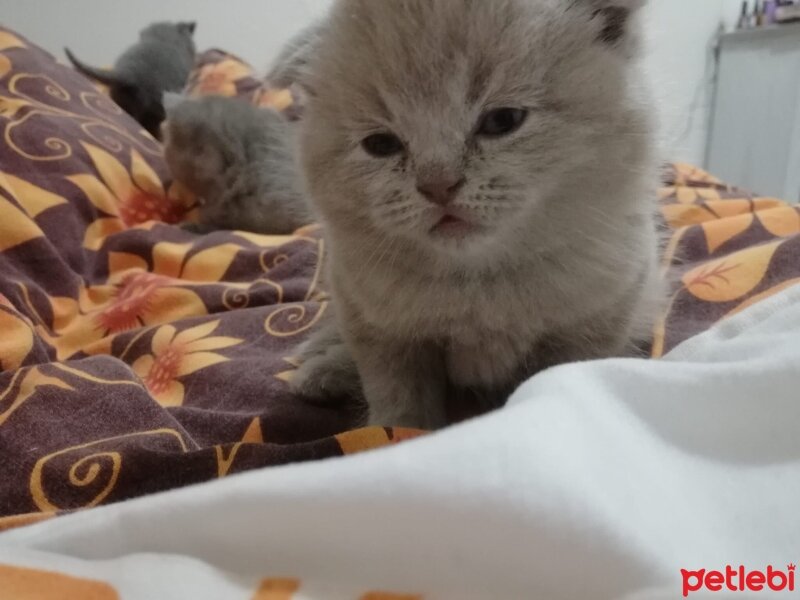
(452, 226)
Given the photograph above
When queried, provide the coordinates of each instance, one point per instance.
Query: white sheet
(599, 480)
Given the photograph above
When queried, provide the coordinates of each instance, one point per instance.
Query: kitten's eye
(502, 121)
(383, 145)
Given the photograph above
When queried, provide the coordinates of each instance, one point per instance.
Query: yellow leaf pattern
(210, 265)
(5, 65)
(732, 277)
(781, 222)
(732, 250)
(9, 40)
(722, 231)
(33, 199)
(16, 340)
(15, 227)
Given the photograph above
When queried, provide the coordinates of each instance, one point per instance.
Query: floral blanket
(136, 357)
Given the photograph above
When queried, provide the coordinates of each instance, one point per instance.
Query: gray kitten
(239, 160)
(160, 62)
(485, 175)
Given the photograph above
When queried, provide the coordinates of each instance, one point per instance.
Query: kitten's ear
(616, 16)
(293, 65)
(188, 27)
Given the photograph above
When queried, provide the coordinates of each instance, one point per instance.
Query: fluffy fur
(546, 251)
(294, 59)
(238, 159)
(160, 62)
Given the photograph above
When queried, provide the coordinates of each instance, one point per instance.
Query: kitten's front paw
(327, 375)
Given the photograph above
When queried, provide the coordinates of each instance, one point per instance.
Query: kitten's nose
(441, 191)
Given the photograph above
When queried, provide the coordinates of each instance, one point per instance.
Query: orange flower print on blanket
(144, 299)
(90, 323)
(132, 302)
(219, 79)
(136, 295)
(176, 355)
(126, 198)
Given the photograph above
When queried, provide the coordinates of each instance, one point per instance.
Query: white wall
(679, 58)
(98, 30)
(680, 62)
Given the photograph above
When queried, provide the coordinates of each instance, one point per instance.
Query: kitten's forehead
(436, 51)
(424, 37)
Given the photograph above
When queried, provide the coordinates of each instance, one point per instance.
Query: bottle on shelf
(744, 18)
(769, 11)
(758, 14)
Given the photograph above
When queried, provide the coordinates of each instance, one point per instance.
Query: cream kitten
(485, 176)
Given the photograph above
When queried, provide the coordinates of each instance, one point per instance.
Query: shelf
(789, 29)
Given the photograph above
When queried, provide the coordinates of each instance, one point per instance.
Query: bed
(137, 358)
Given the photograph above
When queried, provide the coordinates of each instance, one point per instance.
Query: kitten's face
(451, 122)
(193, 149)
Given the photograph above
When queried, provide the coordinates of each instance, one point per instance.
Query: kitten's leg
(484, 373)
(485, 363)
(624, 329)
(405, 385)
(327, 372)
(606, 335)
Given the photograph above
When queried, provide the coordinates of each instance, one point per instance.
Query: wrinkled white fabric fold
(598, 480)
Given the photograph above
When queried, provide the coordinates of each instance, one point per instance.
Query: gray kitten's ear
(171, 100)
(293, 65)
(188, 27)
(616, 17)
